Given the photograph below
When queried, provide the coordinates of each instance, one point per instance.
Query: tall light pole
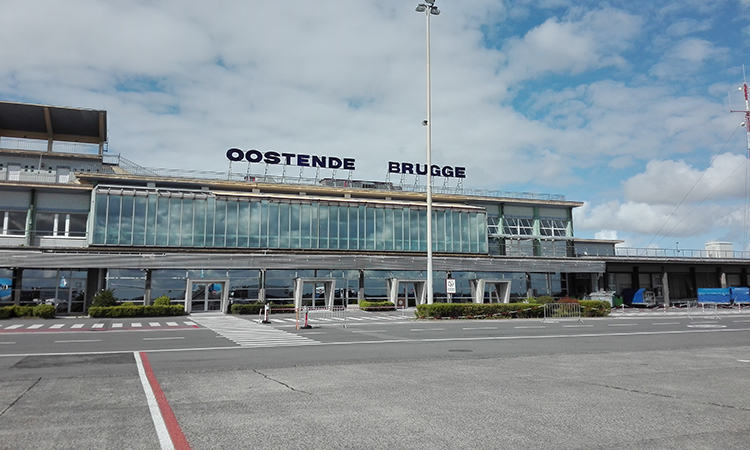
(429, 8)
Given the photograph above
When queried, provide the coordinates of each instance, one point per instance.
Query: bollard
(266, 309)
(306, 325)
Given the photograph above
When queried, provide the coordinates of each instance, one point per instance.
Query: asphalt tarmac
(653, 382)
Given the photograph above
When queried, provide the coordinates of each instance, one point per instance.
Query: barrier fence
(705, 310)
(554, 312)
(306, 314)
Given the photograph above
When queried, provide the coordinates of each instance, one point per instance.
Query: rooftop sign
(295, 159)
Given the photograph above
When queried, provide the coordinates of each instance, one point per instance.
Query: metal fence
(554, 312)
(706, 310)
(306, 316)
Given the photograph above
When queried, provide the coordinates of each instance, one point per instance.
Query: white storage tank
(717, 249)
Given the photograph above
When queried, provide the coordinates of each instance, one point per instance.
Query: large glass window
(203, 220)
(13, 223)
(518, 226)
(56, 224)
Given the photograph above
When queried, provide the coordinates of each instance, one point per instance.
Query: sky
(621, 105)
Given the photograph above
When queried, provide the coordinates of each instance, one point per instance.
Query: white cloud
(573, 44)
(672, 182)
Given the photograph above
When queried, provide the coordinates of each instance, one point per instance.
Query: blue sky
(620, 105)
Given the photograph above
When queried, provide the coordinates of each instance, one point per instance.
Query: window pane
(186, 233)
(77, 225)
(162, 220)
(17, 223)
(45, 223)
(139, 222)
(273, 225)
(243, 224)
(231, 223)
(113, 220)
(126, 226)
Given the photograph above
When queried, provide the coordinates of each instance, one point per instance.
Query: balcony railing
(670, 253)
(136, 169)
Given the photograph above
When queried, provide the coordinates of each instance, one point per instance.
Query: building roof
(53, 123)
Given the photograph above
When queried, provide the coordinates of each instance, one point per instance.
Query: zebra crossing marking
(247, 333)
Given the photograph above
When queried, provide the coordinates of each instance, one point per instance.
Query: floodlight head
(435, 11)
(430, 2)
(421, 8)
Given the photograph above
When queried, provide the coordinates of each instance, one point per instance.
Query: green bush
(105, 298)
(542, 299)
(162, 301)
(376, 306)
(44, 311)
(22, 311)
(6, 312)
(136, 311)
(250, 308)
(595, 308)
(479, 310)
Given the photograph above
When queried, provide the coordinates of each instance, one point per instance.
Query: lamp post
(429, 8)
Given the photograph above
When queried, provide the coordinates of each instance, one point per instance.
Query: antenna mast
(746, 123)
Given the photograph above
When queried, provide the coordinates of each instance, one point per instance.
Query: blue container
(740, 295)
(714, 295)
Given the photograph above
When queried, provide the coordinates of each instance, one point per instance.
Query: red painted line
(175, 432)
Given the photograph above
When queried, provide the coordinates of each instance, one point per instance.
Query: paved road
(650, 382)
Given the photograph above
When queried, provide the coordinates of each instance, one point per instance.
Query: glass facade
(147, 217)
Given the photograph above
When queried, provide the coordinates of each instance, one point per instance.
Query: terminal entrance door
(406, 293)
(206, 296)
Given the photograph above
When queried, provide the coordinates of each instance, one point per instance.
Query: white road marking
(427, 329)
(36, 326)
(665, 323)
(531, 326)
(117, 325)
(163, 338)
(97, 325)
(153, 406)
(77, 325)
(77, 341)
(481, 328)
(136, 324)
(577, 326)
(57, 326)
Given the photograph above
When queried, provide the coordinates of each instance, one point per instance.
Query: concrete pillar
(262, 286)
(17, 282)
(361, 286)
(147, 291)
(665, 285)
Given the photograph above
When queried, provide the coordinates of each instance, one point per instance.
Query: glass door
(206, 296)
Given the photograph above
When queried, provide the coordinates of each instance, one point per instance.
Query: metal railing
(667, 253)
(38, 145)
(554, 312)
(295, 180)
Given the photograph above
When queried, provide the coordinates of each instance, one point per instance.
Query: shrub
(6, 312)
(567, 300)
(44, 311)
(595, 308)
(128, 304)
(544, 299)
(162, 301)
(376, 306)
(479, 310)
(22, 311)
(105, 298)
(136, 311)
(250, 308)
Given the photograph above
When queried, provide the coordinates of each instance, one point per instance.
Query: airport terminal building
(75, 219)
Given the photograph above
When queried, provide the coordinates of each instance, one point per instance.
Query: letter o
(254, 156)
(235, 154)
